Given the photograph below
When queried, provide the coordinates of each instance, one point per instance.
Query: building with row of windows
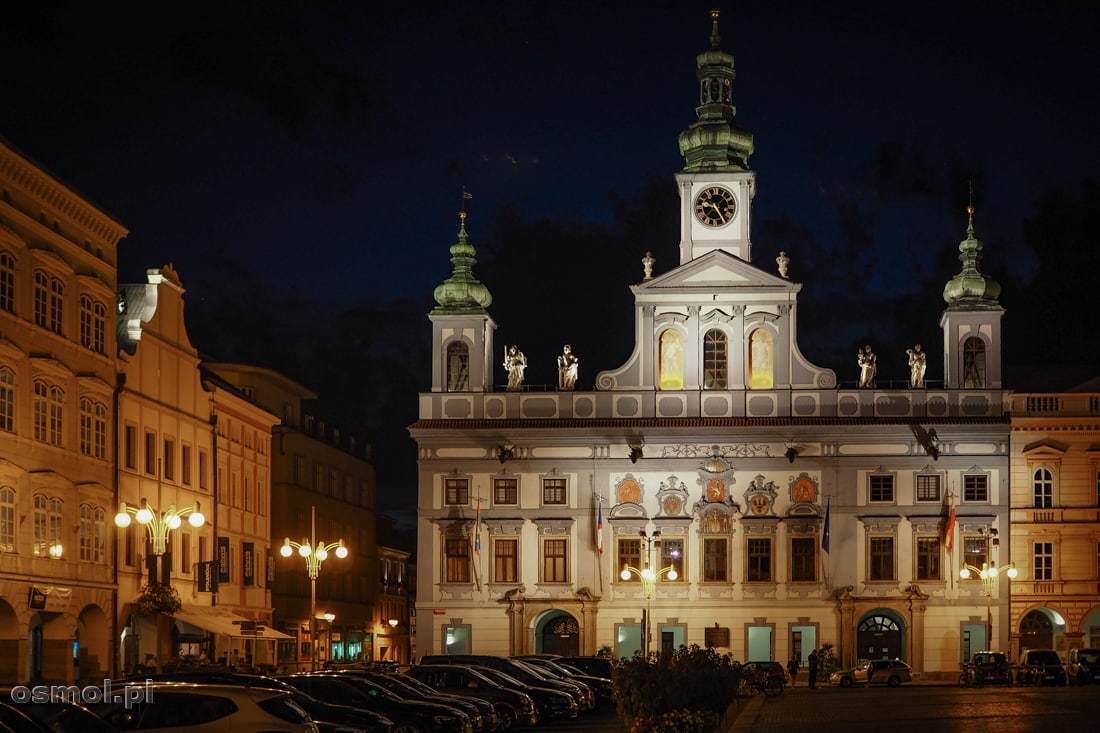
(719, 488)
(106, 408)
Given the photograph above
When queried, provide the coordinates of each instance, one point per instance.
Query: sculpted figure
(567, 368)
(918, 362)
(868, 367)
(515, 363)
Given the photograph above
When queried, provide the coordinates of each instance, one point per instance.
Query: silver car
(890, 672)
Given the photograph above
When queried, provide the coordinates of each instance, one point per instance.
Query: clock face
(715, 206)
(803, 490)
(716, 490)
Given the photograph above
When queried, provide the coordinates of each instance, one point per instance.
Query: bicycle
(752, 684)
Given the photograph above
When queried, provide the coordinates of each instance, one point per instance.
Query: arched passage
(880, 635)
(556, 632)
(93, 645)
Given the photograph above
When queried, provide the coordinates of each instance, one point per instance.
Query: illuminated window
(975, 550)
(506, 560)
(715, 359)
(93, 324)
(758, 556)
(929, 558)
(880, 558)
(1043, 488)
(672, 556)
(671, 364)
(49, 295)
(7, 282)
(456, 491)
(630, 553)
(7, 399)
(761, 359)
(506, 491)
(456, 560)
(973, 363)
(458, 366)
(555, 560)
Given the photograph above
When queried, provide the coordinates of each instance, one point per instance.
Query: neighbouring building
(718, 488)
(58, 265)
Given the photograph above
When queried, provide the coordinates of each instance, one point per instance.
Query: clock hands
(717, 210)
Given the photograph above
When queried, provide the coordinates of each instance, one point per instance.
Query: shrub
(688, 690)
(157, 598)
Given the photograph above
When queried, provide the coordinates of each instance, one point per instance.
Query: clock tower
(716, 185)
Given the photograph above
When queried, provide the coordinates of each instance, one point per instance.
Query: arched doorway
(9, 638)
(879, 636)
(557, 633)
(1036, 630)
(92, 645)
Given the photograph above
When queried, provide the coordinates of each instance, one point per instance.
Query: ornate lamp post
(988, 573)
(649, 578)
(314, 553)
(159, 525)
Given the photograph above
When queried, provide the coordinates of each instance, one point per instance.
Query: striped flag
(825, 529)
(599, 525)
(477, 530)
(949, 528)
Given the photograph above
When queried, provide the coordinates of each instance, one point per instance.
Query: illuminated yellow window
(761, 359)
(671, 364)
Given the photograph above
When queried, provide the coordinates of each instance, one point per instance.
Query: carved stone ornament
(672, 498)
(760, 497)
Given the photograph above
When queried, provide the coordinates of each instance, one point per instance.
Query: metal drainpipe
(214, 498)
(116, 649)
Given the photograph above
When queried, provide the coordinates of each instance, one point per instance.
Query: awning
(225, 622)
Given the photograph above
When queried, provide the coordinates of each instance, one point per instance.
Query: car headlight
(443, 719)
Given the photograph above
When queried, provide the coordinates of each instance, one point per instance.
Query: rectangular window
(185, 464)
(975, 488)
(185, 553)
(881, 488)
(169, 459)
(456, 552)
(975, 551)
(803, 559)
(506, 560)
(131, 446)
(554, 561)
(1043, 561)
(7, 282)
(204, 470)
(505, 491)
(7, 519)
(319, 474)
(86, 534)
(301, 475)
(929, 559)
(758, 556)
(456, 491)
(7, 399)
(715, 559)
(630, 553)
(150, 453)
(554, 491)
(672, 556)
(881, 558)
(928, 487)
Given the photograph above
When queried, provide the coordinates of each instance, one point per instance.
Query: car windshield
(1088, 657)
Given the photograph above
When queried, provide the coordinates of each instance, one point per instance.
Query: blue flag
(825, 530)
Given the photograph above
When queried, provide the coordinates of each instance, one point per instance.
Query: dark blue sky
(325, 145)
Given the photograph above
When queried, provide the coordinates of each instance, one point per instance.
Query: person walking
(811, 663)
(792, 668)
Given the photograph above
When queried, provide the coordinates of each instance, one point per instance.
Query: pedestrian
(792, 668)
(811, 662)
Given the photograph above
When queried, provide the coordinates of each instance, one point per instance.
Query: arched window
(49, 293)
(49, 404)
(93, 320)
(671, 364)
(973, 363)
(1043, 488)
(715, 360)
(93, 428)
(458, 366)
(761, 359)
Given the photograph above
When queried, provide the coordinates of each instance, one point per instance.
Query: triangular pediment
(715, 271)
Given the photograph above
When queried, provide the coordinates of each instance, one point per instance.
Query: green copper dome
(462, 292)
(715, 142)
(970, 290)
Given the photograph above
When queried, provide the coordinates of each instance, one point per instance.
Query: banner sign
(248, 564)
(208, 577)
(223, 559)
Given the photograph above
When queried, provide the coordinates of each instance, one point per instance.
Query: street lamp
(988, 573)
(159, 525)
(393, 638)
(649, 578)
(314, 553)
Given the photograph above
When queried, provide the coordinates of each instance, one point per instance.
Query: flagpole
(477, 546)
(599, 537)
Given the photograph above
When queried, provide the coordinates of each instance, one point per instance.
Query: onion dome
(970, 289)
(462, 292)
(715, 142)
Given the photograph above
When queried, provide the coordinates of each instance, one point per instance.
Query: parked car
(1041, 667)
(775, 670)
(408, 716)
(586, 700)
(1084, 666)
(527, 680)
(482, 713)
(595, 666)
(514, 708)
(600, 686)
(552, 704)
(181, 707)
(891, 672)
(55, 716)
(328, 717)
(986, 668)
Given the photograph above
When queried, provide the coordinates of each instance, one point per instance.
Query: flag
(825, 530)
(949, 527)
(599, 525)
(477, 530)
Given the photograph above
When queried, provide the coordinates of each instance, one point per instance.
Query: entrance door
(561, 635)
(1036, 631)
(879, 637)
(760, 644)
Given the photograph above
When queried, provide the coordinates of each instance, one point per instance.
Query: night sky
(318, 152)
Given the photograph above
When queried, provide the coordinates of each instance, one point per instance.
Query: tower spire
(462, 292)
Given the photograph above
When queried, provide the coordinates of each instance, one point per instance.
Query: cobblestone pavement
(923, 708)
